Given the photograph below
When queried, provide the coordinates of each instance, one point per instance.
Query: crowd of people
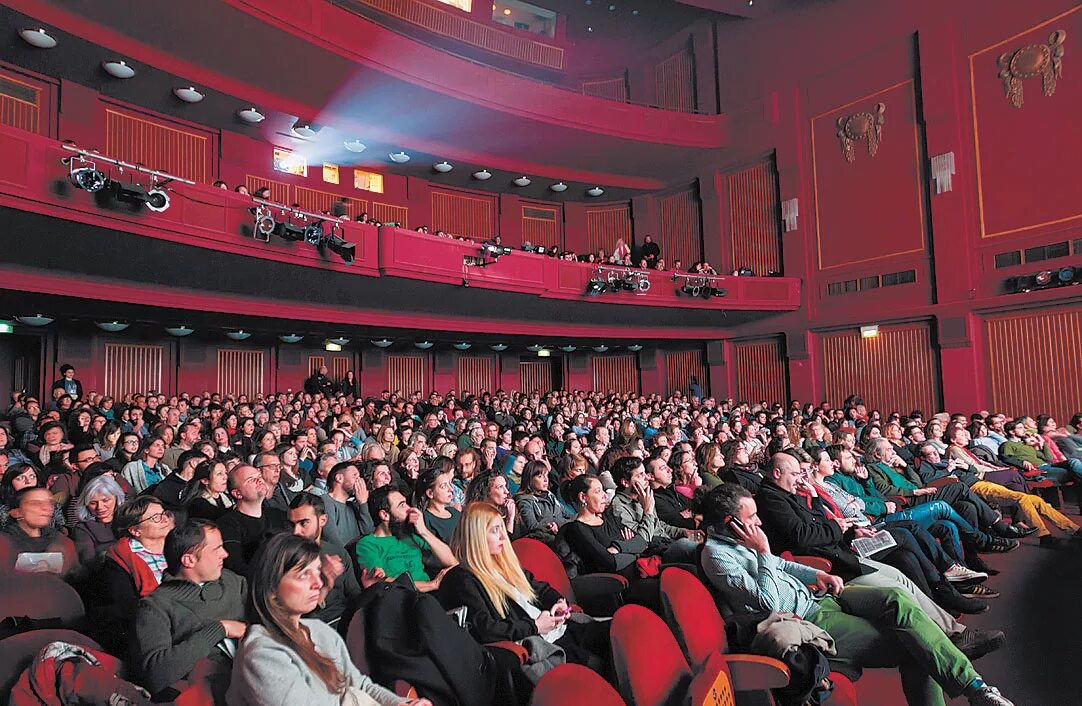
(231, 539)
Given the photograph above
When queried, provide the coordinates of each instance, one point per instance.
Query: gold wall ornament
(861, 126)
(1045, 60)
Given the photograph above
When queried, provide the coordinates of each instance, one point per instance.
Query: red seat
(18, 651)
(41, 597)
(651, 669)
(699, 628)
(597, 594)
(573, 684)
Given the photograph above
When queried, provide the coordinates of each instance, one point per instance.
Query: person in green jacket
(1031, 453)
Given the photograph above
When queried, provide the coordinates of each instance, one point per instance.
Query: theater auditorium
(540, 352)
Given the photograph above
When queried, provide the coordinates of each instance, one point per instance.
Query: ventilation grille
(890, 279)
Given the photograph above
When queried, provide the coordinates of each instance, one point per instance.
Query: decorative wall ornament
(1045, 60)
(790, 210)
(861, 126)
(942, 171)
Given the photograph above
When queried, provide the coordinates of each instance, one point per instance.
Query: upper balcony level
(320, 61)
(199, 253)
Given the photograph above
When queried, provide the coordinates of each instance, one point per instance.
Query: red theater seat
(597, 594)
(573, 684)
(40, 597)
(18, 651)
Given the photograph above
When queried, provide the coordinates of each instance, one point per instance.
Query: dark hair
(195, 487)
(380, 500)
(427, 481)
(479, 488)
(186, 457)
(835, 451)
(283, 553)
(576, 486)
(623, 468)
(720, 503)
(130, 513)
(65, 368)
(73, 454)
(186, 538)
(531, 470)
(337, 470)
(310, 500)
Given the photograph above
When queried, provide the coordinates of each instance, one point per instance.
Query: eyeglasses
(157, 519)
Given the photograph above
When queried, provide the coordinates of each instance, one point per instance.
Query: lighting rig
(618, 279)
(311, 231)
(83, 172)
(704, 286)
(1065, 276)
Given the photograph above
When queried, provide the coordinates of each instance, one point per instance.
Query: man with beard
(401, 541)
(308, 517)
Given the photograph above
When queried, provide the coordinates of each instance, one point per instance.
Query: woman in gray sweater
(288, 661)
(538, 507)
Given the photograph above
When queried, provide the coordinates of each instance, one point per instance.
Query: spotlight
(288, 231)
(1067, 275)
(465, 282)
(157, 200)
(629, 283)
(1044, 278)
(720, 292)
(264, 225)
(339, 246)
(706, 291)
(86, 175)
(644, 284)
(127, 192)
(595, 287)
(494, 250)
(313, 233)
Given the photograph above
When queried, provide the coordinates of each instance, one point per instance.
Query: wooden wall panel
(607, 224)
(674, 81)
(613, 89)
(541, 225)
(131, 368)
(535, 376)
(468, 215)
(389, 213)
(680, 367)
(280, 190)
(240, 372)
(315, 362)
(754, 229)
(619, 373)
(760, 370)
(317, 201)
(1033, 362)
(680, 236)
(476, 373)
(156, 144)
(897, 371)
(407, 373)
(340, 364)
(21, 102)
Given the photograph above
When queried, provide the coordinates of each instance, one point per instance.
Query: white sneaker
(989, 696)
(959, 574)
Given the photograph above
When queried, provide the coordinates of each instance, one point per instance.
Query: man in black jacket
(320, 383)
(672, 507)
(791, 526)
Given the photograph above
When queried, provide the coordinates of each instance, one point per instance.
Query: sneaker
(999, 546)
(988, 696)
(978, 591)
(975, 644)
(954, 602)
(960, 574)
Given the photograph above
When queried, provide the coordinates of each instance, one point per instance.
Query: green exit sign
(7, 327)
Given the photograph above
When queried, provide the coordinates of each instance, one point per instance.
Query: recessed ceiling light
(596, 191)
(589, 29)
(522, 181)
(635, 12)
(37, 37)
(442, 167)
(612, 8)
(355, 145)
(118, 69)
(251, 115)
(399, 157)
(482, 175)
(305, 129)
(507, 11)
(188, 94)
(558, 187)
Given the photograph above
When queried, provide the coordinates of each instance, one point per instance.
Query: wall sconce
(942, 171)
(790, 210)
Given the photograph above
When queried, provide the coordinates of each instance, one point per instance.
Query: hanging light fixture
(290, 338)
(463, 346)
(559, 187)
(180, 331)
(569, 349)
(498, 347)
(424, 345)
(239, 335)
(399, 157)
(339, 340)
(482, 175)
(112, 326)
(602, 348)
(35, 320)
(382, 343)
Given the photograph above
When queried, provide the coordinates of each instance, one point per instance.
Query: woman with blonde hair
(504, 601)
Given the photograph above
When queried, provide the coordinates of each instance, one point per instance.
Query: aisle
(1040, 609)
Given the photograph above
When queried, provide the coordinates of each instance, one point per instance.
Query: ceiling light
(534, 348)
(424, 345)
(498, 347)
(399, 157)
(589, 29)
(522, 181)
(251, 115)
(238, 335)
(612, 8)
(382, 343)
(34, 320)
(601, 349)
(635, 348)
(596, 191)
(37, 37)
(290, 338)
(355, 146)
(635, 12)
(332, 347)
(118, 69)
(112, 326)
(463, 346)
(482, 175)
(305, 129)
(569, 349)
(869, 331)
(442, 167)
(340, 340)
(558, 187)
(179, 331)
(188, 94)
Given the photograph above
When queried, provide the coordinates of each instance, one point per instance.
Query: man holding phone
(872, 626)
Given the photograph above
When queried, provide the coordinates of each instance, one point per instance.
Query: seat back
(650, 668)
(574, 684)
(542, 562)
(712, 686)
(356, 642)
(690, 610)
(18, 651)
(41, 597)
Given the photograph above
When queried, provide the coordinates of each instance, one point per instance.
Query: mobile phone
(735, 524)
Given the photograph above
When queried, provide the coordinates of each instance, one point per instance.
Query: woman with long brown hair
(286, 659)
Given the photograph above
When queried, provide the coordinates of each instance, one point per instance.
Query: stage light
(332, 347)
(495, 251)
(544, 353)
(720, 292)
(157, 200)
(1044, 278)
(628, 283)
(644, 284)
(595, 287)
(313, 233)
(339, 246)
(264, 225)
(1067, 275)
(288, 231)
(127, 192)
(86, 176)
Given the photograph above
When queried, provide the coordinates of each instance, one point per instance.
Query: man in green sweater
(1031, 453)
(196, 615)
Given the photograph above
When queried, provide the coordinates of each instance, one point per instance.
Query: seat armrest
(404, 689)
(815, 562)
(756, 673)
(514, 648)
